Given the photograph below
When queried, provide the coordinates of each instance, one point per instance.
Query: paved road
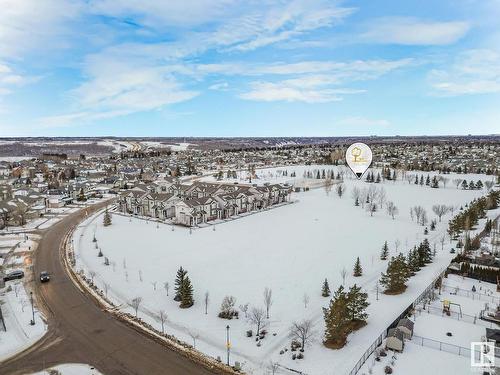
(79, 331)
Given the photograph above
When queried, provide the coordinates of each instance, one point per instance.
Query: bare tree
(488, 185)
(257, 316)
(397, 243)
(340, 189)
(372, 194)
(305, 300)
(444, 180)
(273, 367)
(420, 214)
(166, 285)
(206, 300)
(392, 210)
(302, 331)
(328, 185)
(163, 317)
(363, 197)
(194, 336)
(452, 209)
(92, 275)
(343, 274)
(381, 196)
(106, 288)
(24, 303)
(442, 239)
(356, 193)
(423, 218)
(135, 303)
(440, 210)
(371, 208)
(154, 284)
(376, 289)
(268, 300)
(457, 182)
(244, 309)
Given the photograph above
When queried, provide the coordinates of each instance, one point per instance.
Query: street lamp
(32, 309)
(228, 344)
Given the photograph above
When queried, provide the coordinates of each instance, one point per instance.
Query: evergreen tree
(186, 293)
(428, 180)
(394, 280)
(179, 279)
(337, 319)
(412, 262)
(464, 185)
(421, 179)
(385, 251)
(435, 182)
(325, 289)
(357, 302)
(358, 270)
(107, 218)
(424, 253)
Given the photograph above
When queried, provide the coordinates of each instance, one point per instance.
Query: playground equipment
(447, 307)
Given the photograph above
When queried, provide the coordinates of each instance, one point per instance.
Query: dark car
(13, 275)
(44, 277)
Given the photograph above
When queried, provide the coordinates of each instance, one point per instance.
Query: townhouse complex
(200, 202)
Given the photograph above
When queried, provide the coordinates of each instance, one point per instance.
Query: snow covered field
(291, 250)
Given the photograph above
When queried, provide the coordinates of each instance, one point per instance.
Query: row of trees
(468, 217)
(400, 268)
(479, 272)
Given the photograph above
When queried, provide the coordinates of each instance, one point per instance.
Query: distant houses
(191, 205)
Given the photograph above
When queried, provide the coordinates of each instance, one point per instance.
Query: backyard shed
(406, 326)
(395, 340)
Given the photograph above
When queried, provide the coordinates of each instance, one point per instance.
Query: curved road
(80, 332)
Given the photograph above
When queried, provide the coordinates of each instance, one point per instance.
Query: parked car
(13, 275)
(44, 277)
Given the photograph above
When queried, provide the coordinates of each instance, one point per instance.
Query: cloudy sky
(249, 68)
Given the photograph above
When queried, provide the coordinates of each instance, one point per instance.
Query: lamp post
(228, 344)
(32, 309)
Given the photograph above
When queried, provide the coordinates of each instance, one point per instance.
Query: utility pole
(228, 344)
(32, 309)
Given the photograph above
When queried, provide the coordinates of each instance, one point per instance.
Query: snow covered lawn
(17, 314)
(290, 249)
(418, 360)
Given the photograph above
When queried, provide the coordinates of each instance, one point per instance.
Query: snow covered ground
(291, 250)
(71, 369)
(431, 328)
(16, 309)
(418, 360)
